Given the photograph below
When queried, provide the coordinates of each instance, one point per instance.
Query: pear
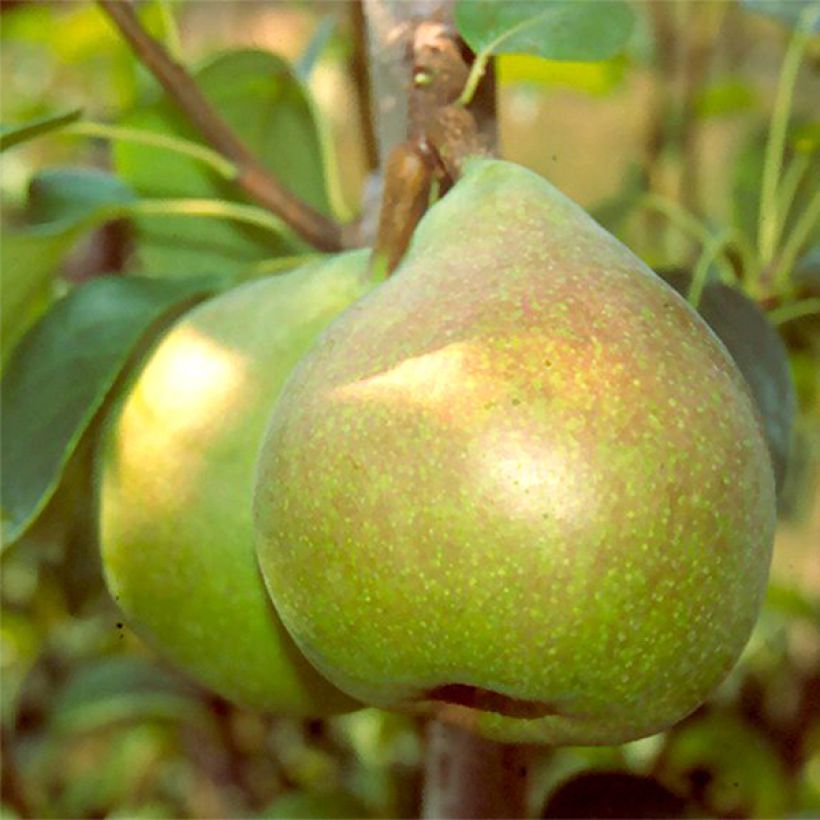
(520, 486)
(176, 486)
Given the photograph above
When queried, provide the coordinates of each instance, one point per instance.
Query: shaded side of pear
(760, 355)
(176, 485)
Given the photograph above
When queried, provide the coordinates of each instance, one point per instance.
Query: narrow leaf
(11, 135)
(746, 180)
(794, 13)
(114, 689)
(59, 374)
(74, 194)
(310, 56)
(586, 30)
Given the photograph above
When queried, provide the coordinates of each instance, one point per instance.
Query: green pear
(521, 486)
(177, 485)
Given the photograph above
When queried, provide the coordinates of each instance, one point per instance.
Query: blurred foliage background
(666, 145)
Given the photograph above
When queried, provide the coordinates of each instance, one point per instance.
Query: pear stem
(418, 68)
(467, 776)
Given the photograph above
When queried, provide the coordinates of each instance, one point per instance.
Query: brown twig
(361, 76)
(467, 776)
(252, 176)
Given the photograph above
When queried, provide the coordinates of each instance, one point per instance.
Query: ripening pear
(176, 486)
(520, 486)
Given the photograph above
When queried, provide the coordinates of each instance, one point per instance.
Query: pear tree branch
(251, 176)
(363, 82)
(467, 777)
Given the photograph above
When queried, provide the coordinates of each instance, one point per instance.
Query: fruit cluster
(519, 485)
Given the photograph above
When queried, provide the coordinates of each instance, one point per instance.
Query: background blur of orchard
(665, 146)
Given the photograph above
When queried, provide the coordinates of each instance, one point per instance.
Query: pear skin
(176, 486)
(521, 485)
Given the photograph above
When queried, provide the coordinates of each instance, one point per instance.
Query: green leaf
(122, 688)
(794, 13)
(596, 78)
(324, 805)
(259, 96)
(805, 137)
(317, 44)
(747, 178)
(585, 30)
(28, 258)
(115, 770)
(746, 775)
(72, 195)
(728, 96)
(20, 642)
(11, 135)
(760, 355)
(792, 603)
(67, 202)
(59, 374)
